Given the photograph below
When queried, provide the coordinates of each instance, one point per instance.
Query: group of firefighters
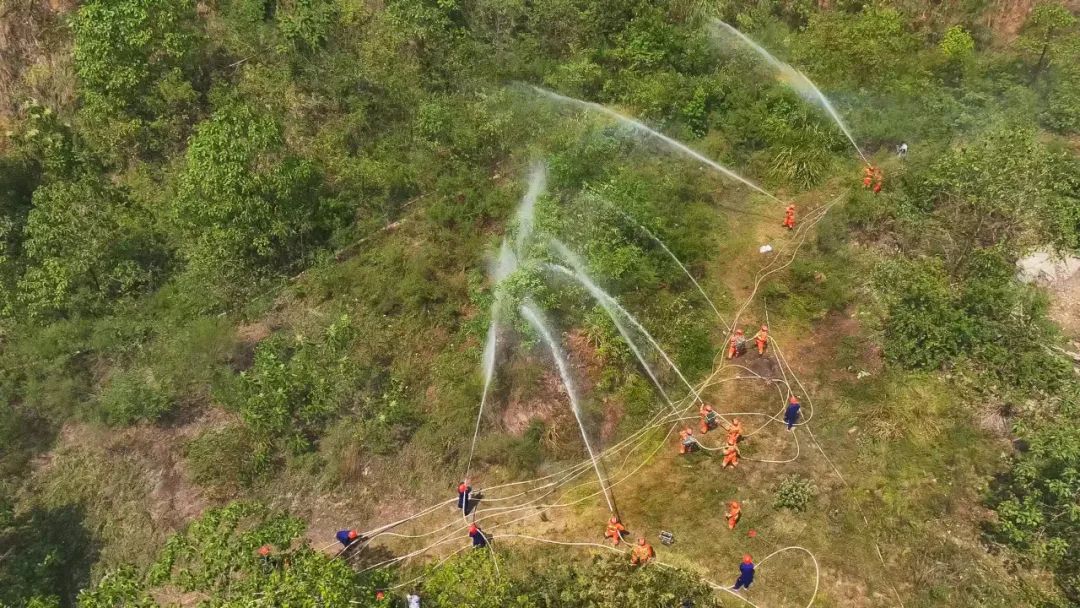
(643, 552)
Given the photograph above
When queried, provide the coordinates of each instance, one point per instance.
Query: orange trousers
(731, 521)
(761, 346)
(732, 459)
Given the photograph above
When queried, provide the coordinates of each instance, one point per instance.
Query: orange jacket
(733, 510)
(615, 529)
(642, 553)
(708, 416)
(761, 336)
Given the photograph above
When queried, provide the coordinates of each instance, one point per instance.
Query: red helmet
(641, 540)
(764, 328)
(352, 534)
(473, 529)
(793, 399)
(738, 332)
(746, 559)
(733, 503)
(614, 519)
(264, 550)
(708, 408)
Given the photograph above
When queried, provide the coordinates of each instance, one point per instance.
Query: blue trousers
(743, 581)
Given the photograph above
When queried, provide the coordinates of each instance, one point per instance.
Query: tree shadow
(49, 552)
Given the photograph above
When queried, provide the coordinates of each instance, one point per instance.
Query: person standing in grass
(735, 431)
(642, 553)
(733, 514)
(479, 540)
(746, 573)
(615, 530)
(731, 456)
(791, 414)
(464, 492)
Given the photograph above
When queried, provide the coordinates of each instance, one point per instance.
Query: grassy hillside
(246, 281)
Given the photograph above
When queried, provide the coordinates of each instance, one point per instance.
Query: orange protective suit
(731, 456)
(789, 217)
(686, 441)
(761, 339)
(733, 513)
(614, 530)
(708, 418)
(868, 176)
(734, 431)
(737, 344)
(642, 553)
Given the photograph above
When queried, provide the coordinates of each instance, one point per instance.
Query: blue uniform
(343, 538)
(746, 576)
(463, 495)
(478, 539)
(791, 416)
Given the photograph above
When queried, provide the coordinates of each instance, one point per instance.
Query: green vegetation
(242, 256)
(794, 493)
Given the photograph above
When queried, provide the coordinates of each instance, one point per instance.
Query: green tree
(246, 207)
(136, 60)
(1048, 33)
(868, 49)
(958, 48)
(1004, 189)
(85, 244)
(957, 44)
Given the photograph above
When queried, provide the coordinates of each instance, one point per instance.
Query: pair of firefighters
(688, 443)
(642, 551)
(737, 343)
(873, 178)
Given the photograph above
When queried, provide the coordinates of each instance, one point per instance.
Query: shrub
(86, 244)
(132, 396)
(1036, 500)
(794, 493)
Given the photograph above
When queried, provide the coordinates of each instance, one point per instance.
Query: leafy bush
(305, 23)
(216, 556)
(986, 316)
(86, 244)
(1036, 500)
(293, 389)
(794, 493)
(132, 396)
